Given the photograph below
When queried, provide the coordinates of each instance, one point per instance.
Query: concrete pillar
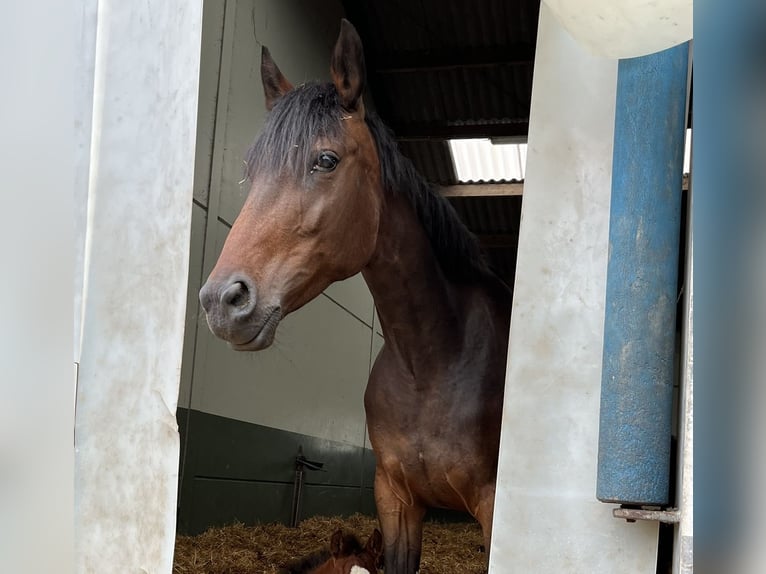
(547, 518)
(136, 139)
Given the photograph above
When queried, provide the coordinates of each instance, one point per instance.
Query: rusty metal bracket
(301, 465)
(669, 515)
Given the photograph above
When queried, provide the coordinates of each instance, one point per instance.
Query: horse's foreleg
(401, 521)
(484, 514)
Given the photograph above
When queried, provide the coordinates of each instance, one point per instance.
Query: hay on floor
(454, 548)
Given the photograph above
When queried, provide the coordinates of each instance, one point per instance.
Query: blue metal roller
(642, 276)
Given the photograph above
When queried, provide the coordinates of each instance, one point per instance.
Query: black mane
(313, 110)
(456, 249)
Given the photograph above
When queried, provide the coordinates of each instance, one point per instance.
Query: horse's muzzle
(233, 313)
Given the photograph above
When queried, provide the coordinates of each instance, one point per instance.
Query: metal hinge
(668, 515)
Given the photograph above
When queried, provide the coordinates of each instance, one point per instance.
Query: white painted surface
(137, 244)
(84, 65)
(625, 28)
(37, 243)
(683, 545)
(547, 518)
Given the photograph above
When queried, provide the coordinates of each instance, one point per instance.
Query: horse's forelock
(291, 127)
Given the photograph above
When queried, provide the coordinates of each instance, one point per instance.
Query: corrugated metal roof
(489, 215)
(480, 160)
(432, 160)
(437, 66)
(467, 96)
(436, 24)
(495, 221)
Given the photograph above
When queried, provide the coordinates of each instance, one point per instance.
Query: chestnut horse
(331, 196)
(346, 556)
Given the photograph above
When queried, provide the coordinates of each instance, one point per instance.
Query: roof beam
(434, 61)
(482, 189)
(500, 189)
(414, 131)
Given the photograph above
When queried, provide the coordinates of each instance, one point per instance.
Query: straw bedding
(454, 548)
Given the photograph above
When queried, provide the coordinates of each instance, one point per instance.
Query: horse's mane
(456, 248)
(313, 110)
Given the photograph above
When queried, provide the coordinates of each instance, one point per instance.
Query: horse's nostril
(236, 295)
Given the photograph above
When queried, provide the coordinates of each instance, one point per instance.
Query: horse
(331, 196)
(345, 556)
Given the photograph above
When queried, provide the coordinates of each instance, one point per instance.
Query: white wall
(547, 518)
(135, 171)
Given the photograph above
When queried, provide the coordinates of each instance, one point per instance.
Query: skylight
(477, 160)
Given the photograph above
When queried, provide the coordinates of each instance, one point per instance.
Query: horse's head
(312, 213)
(348, 557)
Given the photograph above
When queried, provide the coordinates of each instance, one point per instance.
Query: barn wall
(243, 415)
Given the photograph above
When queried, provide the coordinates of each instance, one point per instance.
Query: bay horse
(345, 556)
(331, 196)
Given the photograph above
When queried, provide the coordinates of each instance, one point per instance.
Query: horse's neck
(419, 309)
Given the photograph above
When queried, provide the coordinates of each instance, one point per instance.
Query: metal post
(301, 464)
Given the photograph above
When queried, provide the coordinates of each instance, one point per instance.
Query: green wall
(245, 472)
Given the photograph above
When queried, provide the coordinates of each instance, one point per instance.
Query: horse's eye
(326, 161)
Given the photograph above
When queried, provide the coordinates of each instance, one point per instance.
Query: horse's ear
(347, 67)
(275, 85)
(375, 544)
(336, 543)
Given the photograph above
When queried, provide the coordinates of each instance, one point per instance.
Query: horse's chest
(428, 432)
(432, 471)
(432, 409)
